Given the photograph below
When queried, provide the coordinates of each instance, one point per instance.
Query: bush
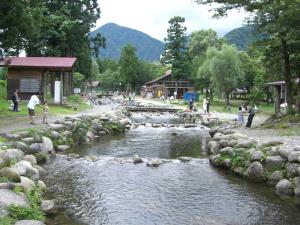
(6, 221)
(75, 99)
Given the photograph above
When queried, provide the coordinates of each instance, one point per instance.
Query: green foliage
(114, 127)
(129, 66)
(4, 179)
(148, 48)
(7, 221)
(78, 79)
(79, 132)
(18, 189)
(75, 99)
(42, 157)
(240, 158)
(175, 52)
(12, 162)
(33, 212)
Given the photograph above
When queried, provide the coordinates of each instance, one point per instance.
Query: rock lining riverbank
(261, 162)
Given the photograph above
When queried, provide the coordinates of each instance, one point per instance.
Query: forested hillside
(148, 48)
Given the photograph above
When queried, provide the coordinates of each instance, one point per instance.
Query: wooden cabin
(166, 86)
(31, 75)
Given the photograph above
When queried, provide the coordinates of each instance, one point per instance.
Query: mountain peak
(148, 48)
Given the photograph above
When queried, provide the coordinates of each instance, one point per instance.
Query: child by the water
(45, 113)
(240, 118)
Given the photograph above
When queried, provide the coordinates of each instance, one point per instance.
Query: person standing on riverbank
(191, 104)
(15, 99)
(240, 118)
(207, 104)
(34, 100)
(250, 117)
(204, 104)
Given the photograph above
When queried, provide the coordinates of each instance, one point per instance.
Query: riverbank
(21, 154)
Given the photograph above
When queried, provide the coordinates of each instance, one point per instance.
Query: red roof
(42, 62)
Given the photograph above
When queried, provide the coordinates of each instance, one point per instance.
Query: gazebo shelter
(280, 95)
(32, 75)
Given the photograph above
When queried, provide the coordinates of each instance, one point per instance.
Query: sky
(152, 16)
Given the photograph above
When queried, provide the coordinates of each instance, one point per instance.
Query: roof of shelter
(168, 73)
(39, 62)
(275, 83)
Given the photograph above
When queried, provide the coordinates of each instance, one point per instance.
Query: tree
(280, 19)
(129, 64)
(95, 71)
(224, 66)
(97, 42)
(175, 53)
(78, 78)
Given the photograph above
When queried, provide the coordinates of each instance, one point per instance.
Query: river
(115, 191)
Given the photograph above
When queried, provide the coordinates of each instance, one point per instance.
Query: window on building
(30, 85)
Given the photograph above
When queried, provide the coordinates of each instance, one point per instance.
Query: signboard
(57, 92)
(77, 90)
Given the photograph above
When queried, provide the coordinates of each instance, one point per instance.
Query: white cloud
(152, 16)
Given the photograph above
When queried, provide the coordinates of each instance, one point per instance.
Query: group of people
(33, 102)
(251, 113)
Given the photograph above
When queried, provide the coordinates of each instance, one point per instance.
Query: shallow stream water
(113, 190)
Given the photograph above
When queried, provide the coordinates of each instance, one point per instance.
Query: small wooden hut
(166, 86)
(33, 74)
(280, 94)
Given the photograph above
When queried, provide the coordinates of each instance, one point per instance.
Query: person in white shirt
(204, 104)
(34, 100)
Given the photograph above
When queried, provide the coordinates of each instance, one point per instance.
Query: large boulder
(27, 184)
(31, 159)
(292, 169)
(294, 156)
(275, 162)
(55, 135)
(154, 162)
(24, 168)
(62, 148)
(227, 151)
(21, 145)
(28, 140)
(9, 198)
(239, 136)
(218, 136)
(29, 222)
(224, 143)
(10, 156)
(284, 187)
(184, 159)
(46, 145)
(48, 207)
(213, 147)
(232, 143)
(297, 186)
(255, 172)
(275, 177)
(57, 127)
(256, 156)
(212, 132)
(10, 173)
(246, 143)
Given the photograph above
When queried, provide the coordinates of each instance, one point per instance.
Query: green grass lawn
(53, 109)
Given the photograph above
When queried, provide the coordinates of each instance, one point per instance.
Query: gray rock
(48, 207)
(9, 197)
(212, 132)
(66, 133)
(46, 145)
(284, 187)
(137, 159)
(227, 131)
(90, 135)
(27, 184)
(218, 136)
(29, 222)
(275, 162)
(10, 173)
(275, 177)
(62, 148)
(24, 168)
(154, 162)
(256, 156)
(283, 152)
(215, 160)
(104, 118)
(184, 159)
(34, 148)
(232, 143)
(296, 181)
(255, 172)
(273, 151)
(31, 159)
(294, 156)
(246, 143)
(9, 156)
(41, 185)
(272, 143)
(213, 147)
(55, 135)
(57, 127)
(23, 133)
(28, 140)
(227, 163)
(21, 145)
(224, 143)
(298, 171)
(297, 148)
(227, 151)
(239, 136)
(292, 169)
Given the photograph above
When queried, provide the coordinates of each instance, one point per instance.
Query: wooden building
(33, 75)
(280, 94)
(166, 86)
